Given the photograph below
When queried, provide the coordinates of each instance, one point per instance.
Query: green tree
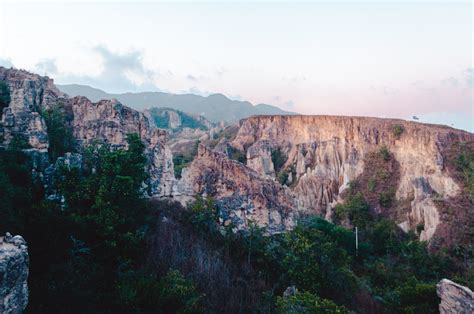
(305, 302)
(278, 159)
(397, 130)
(60, 135)
(4, 96)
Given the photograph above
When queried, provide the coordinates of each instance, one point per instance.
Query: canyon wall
(14, 264)
(106, 120)
(322, 155)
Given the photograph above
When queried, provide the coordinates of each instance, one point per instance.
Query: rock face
(13, 274)
(30, 94)
(323, 154)
(454, 298)
(110, 121)
(106, 120)
(242, 195)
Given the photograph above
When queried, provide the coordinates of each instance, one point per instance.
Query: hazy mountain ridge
(215, 107)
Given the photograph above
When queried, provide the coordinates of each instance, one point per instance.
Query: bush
(384, 153)
(237, 155)
(4, 96)
(386, 198)
(283, 177)
(355, 209)
(397, 130)
(180, 162)
(179, 295)
(278, 159)
(60, 134)
(305, 302)
(464, 163)
(371, 184)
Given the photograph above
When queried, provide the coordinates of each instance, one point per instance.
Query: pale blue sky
(374, 58)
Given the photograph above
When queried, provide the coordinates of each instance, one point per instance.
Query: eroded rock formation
(325, 153)
(454, 298)
(14, 263)
(106, 120)
(241, 193)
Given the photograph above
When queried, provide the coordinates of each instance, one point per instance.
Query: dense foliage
(465, 164)
(390, 271)
(60, 136)
(238, 155)
(4, 96)
(278, 159)
(181, 161)
(87, 254)
(397, 130)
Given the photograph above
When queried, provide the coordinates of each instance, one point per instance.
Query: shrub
(179, 295)
(180, 162)
(305, 302)
(283, 177)
(386, 198)
(355, 209)
(60, 134)
(4, 96)
(384, 153)
(19, 142)
(237, 155)
(278, 159)
(397, 130)
(464, 163)
(371, 184)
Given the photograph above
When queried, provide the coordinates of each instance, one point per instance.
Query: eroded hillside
(318, 157)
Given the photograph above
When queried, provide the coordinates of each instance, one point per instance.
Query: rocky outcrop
(325, 153)
(106, 120)
(30, 94)
(110, 121)
(13, 274)
(241, 194)
(454, 298)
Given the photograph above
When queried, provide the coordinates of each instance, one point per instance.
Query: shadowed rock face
(14, 263)
(106, 120)
(324, 153)
(454, 298)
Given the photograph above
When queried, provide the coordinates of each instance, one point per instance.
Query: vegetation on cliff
(60, 135)
(4, 96)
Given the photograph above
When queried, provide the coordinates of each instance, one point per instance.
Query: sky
(372, 58)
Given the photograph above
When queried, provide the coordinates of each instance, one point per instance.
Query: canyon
(322, 155)
(319, 158)
(265, 171)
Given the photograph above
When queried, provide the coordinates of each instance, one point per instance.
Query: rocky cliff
(106, 120)
(326, 153)
(30, 94)
(242, 195)
(13, 274)
(319, 156)
(454, 298)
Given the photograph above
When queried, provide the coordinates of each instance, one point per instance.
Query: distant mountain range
(215, 107)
